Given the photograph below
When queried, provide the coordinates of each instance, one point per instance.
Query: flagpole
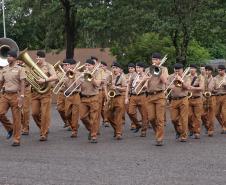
(3, 16)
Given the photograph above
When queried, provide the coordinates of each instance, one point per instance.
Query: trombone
(176, 82)
(87, 77)
(222, 82)
(62, 80)
(153, 71)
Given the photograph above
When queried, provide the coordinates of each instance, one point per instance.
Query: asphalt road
(132, 161)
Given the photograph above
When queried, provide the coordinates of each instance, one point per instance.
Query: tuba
(34, 74)
(6, 44)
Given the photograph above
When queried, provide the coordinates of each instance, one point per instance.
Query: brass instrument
(6, 44)
(186, 71)
(34, 74)
(207, 94)
(189, 94)
(88, 76)
(111, 94)
(63, 78)
(222, 82)
(155, 71)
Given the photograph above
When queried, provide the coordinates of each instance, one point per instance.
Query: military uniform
(41, 104)
(156, 103)
(179, 108)
(209, 106)
(61, 102)
(72, 103)
(11, 77)
(220, 94)
(115, 113)
(195, 106)
(138, 101)
(90, 106)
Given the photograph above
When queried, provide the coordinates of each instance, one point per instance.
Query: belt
(138, 94)
(8, 92)
(117, 95)
(218, 94)
(87, 96)
(195, 97)
(154, 93)
(178, 98)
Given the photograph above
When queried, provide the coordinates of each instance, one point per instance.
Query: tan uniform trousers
(194, 115)
(156, 113)
(101, 101)
(89, 114)
(115, 116)
(179, 116)
(72, 104)
(221, 111)
(25, 113)
(41, 111)
(132, 125)
(61, 106)
(11, 100)
(140, 103)
(104, 108)
(208, 115)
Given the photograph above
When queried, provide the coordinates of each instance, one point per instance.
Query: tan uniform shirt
(199, 82)
(155, 84)
(11, 76)
(104, 76)
(48, 69)
(209, 83)
(87, 88)
(119, 81)
(177, 91)
(217, 80)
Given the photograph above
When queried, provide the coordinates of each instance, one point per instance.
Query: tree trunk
(69, 25)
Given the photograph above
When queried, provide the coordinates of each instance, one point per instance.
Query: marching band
(91, 91)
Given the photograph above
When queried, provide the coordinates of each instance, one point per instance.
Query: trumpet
(62, 80)
(186, 71)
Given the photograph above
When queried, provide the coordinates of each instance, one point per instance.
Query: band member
(117, 85)
(195, 102)
(156, 99)
(12, 79)
(136, 99)
(72, 100)
(41, 103)
(209, 101)
(179, 101)
(25, 112)
(89, 100)
(220, 93)
(202, 70)
(61, 98)
(132, 73)
(105, 76)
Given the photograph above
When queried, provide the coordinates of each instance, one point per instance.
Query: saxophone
(207, 94)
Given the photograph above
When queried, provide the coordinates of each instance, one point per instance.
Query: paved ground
(132, 161)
